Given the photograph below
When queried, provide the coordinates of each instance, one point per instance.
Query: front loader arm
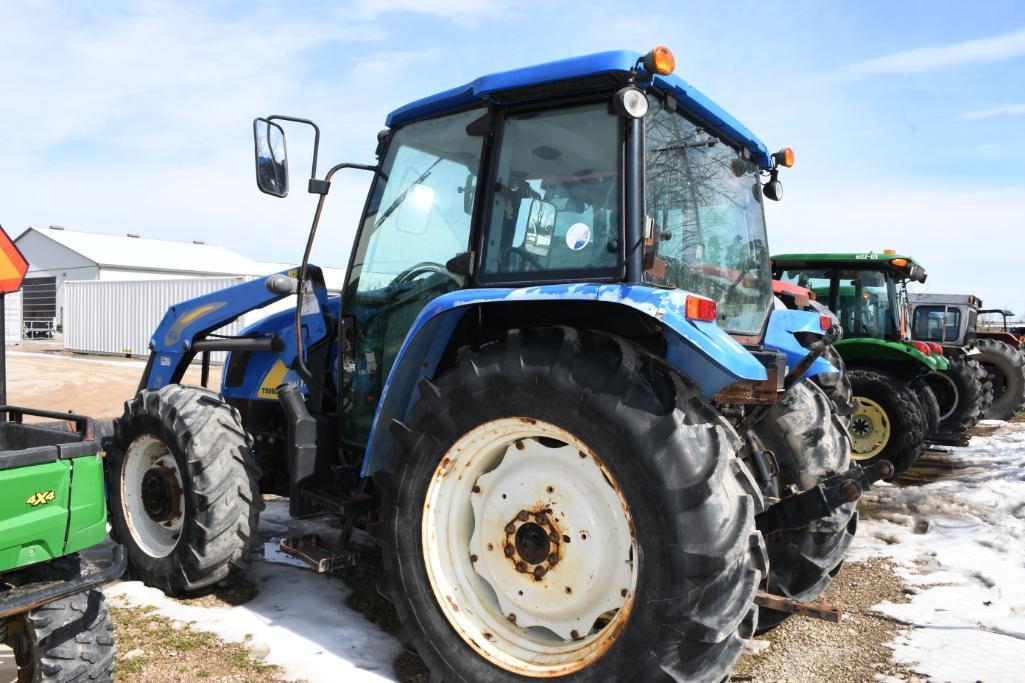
(184, 329)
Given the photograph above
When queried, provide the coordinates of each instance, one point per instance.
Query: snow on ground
(959, 543)
(300, 615)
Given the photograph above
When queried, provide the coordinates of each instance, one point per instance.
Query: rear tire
(67, 640)
(669, 456)
(809, 443)
(890, 423)
(1006, 368)
(182, 482)
(960, 394)
(929, 404)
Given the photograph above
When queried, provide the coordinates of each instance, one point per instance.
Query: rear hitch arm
(800, 509)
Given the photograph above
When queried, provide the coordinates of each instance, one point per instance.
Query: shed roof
(137, 253)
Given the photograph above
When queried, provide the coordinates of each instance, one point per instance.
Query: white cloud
(1002, 110)
(980, 51)
(968, 239)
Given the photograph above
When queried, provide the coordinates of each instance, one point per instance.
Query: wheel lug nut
(522, 516)
(574, 635)
(512, 618)
(510, 528)
(553, 537)
(540, 519)
(539, 572)
(521, 567)
(509, 551)
(553, 559)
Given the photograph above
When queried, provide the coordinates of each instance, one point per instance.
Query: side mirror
(540, 227)
(271, 158)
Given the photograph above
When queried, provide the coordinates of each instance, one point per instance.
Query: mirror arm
(316, 136)
(315, 187)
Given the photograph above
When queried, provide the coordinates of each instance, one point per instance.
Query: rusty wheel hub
(529, 546)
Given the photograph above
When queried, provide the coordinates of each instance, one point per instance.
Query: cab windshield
(867, 302)
(705, 222)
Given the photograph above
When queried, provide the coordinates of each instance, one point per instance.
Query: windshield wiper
(398, 200)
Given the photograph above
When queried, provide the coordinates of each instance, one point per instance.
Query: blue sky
(908, 118)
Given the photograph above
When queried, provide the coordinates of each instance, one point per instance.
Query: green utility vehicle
(52, 506)
(897, 410)
(990, 359)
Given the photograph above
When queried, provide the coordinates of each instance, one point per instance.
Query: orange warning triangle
(13, 265)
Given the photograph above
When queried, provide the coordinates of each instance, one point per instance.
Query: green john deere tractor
(897, 411)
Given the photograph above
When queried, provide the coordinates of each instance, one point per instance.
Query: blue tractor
(556, 388)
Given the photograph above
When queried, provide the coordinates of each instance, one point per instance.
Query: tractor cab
(949, 320)
(867, 292)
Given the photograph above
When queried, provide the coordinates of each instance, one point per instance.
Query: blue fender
(701, 350)
(779, 335)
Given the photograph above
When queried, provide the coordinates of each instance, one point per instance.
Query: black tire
(929, 404)
(837, 385)
(809, 443)
(222, 499)
(987, 388)
(673, 456)
(959, 393)
(1006, 368)
(904, 413)
(69, 640)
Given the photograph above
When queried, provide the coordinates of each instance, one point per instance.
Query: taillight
(923, 347)
(825, 322)
(700, 308)
(936, 348)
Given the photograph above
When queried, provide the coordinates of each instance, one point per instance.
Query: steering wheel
(413, 272)
(527, 257)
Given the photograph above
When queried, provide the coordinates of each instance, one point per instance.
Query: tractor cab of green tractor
(867, 293)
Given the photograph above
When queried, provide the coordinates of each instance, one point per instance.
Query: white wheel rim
(155, 538)
(474, 509)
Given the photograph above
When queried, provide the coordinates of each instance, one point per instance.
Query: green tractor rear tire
(960, 393)
(930, 405)
(70, 639)
(527, 422)
(1006, 368)
(809, 443)
(183, 488)
(890, 423)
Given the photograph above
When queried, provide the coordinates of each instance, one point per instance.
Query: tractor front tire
(589, 449)
(1006, 368)
(890, 423)
(69, 640)
(809, 444)
(183, 490)
(960, 393)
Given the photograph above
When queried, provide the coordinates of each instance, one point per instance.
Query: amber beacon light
(660, 61)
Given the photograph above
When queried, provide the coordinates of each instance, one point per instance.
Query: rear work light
(923, 347)
(700, 308)
(936, 348)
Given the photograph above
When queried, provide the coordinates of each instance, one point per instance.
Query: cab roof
(599, 71)
(867, 258)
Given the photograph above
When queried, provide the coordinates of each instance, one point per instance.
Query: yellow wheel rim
(870, 430)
